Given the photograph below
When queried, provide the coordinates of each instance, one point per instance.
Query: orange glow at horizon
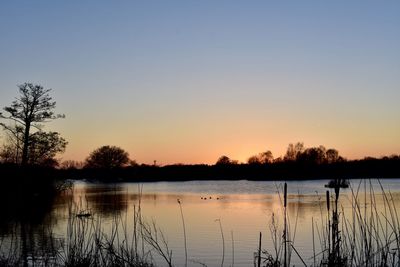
(202, 155)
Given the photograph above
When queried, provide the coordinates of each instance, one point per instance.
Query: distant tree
(108, 157)
(266, 157)
(312, 155)
(133, 163)
(71, 164)
(332, 155)
(290, 153)
(316, 155)
(293, 151)
(253, 160)
(262, 158)
(224, 160)
(32, 107)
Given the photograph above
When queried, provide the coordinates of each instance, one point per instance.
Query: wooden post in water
(259, 252)
(285, 225)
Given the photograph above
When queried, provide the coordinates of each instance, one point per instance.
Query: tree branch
(13, 119)
(11, 130)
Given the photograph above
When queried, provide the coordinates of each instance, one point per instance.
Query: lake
(223, 219)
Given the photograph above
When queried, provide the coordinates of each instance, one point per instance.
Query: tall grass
(90, 243)
(371, 236)
(368, 237)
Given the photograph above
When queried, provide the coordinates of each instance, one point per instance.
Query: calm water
(244, 209)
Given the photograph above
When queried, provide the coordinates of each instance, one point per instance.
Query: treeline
(387, 167)
(30, 151)
(110, 163)
(294, 153)
(299, 162)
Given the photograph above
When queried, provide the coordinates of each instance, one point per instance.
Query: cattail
(327, 200)
(285, 195)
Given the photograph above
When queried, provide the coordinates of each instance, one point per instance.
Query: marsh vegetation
(192, 225)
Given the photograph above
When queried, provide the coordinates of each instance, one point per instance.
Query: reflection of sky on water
(245, 208)
(248, 187)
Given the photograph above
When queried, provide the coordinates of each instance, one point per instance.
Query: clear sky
(189, 81)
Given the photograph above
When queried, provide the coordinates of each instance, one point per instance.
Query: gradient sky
(189, 81)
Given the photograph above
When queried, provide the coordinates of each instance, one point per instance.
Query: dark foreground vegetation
(366, 236)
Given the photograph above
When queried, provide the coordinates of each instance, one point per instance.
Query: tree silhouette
(11, 150)
(313, 155)
(332, 156)
(293, 151)
(225, 160)
(254, 160)
(71, 165)
(42, 148)
(32, 107)
(108, 157)
(262, 158)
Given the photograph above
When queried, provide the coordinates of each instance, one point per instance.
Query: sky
(189, 81)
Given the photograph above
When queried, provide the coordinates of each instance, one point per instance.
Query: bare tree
(32, 107)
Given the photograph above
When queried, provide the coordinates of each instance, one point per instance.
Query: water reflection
(106, 200)
(244, 209)
(26, 225)
(32, 210)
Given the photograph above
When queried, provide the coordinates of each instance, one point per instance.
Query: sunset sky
(189, 81)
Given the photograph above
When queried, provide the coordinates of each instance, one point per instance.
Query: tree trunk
(26, 144)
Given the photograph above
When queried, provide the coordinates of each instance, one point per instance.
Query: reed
(369, 237)
(10, 251)
(233, 249)
(89, 243)
(223, 241)
(184, 232)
